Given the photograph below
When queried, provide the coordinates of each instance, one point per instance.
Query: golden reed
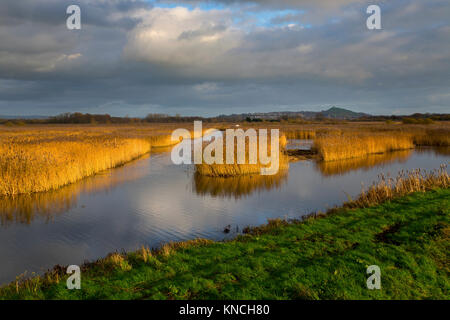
(299, 134)
(356, 145)
(235, 169)
(406, 182)
(48, 165)
(44, 158)
(41, 158)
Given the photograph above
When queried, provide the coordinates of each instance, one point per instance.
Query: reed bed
(406, 182)
(162, 141)
(432, 137)
(299, 134)
(43, 158)
(350, 145)
(232, 170)
(28, 167)
(349, 140)
(355, 142)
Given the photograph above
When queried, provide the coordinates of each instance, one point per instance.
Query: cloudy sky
(193, 57)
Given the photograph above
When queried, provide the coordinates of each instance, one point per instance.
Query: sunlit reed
(406, 182)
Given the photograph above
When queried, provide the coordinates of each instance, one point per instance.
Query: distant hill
(339, 113)
(332, 113)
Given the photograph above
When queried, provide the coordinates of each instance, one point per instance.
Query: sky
(193, 57)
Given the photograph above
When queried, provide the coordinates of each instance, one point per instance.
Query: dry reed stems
(406, 182)
(354, 145)
(235, 169)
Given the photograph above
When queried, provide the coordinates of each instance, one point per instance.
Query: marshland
(76, 193)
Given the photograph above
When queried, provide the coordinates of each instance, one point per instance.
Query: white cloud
(305, 48)
(182, 38)
(207, 43)
(206, 87)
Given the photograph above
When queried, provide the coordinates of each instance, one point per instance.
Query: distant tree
(319, 117)
(409, 121)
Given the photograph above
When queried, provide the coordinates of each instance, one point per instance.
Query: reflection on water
(24, 208)
(443, 151)
(47, 205)
(152, 201)
(302, 144)
(329, 168)
(236, 187)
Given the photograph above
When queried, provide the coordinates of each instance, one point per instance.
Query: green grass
(323, 258)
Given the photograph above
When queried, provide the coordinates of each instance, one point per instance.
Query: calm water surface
(152, 201)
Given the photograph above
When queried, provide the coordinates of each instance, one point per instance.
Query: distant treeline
(414, 118)
(86, 118)
(106, 118)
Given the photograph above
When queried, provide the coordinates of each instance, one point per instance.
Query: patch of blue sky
(206, 6)
(275, 18)
(259, 18)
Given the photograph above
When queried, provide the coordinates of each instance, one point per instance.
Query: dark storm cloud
(50, 11)
(132, 58)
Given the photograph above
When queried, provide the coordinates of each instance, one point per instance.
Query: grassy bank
(325, 258)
